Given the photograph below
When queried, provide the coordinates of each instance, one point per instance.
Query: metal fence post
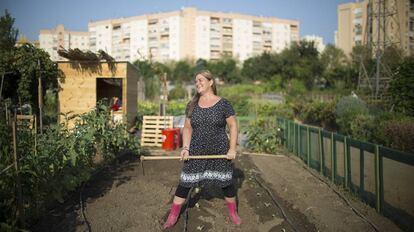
(321, 155)
(294, 138)
(379, 187)
(308, 140)
(333, 158)
(346, 177)
(299, 140)
(287, 134)
(361, 172)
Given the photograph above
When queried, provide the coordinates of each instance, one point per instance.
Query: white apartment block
(191, 34)
(53, 40)
(317, 40)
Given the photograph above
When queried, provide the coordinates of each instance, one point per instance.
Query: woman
(204, 133)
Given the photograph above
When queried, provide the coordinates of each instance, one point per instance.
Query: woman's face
(202, 84)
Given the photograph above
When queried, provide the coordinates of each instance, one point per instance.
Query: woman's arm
(187, 132)
(232, 124)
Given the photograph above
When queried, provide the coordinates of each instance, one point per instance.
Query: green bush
(396, 132)
(176, 108)
(363, 127)
(240, 105)
(401, 87)
(273, 110)
(347, 109)
(263, 136)
(148, 108)
(178, 92)
(316, 113)
(296, 87)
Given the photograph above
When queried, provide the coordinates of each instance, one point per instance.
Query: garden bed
(120, 198)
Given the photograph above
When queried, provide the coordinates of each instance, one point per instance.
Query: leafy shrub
(176, 108)
(316, 113)
(178, 92)
(148, 108)
(263, 136)
(398, 133)
(401, 87)
(347, 109)
(240, 104)
(273, 110)
(363, 127)
(296, 87)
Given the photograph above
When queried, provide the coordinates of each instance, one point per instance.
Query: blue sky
(317, 17)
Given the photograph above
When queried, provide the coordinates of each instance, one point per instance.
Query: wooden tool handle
(179, 157)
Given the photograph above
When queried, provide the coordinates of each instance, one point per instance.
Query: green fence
(380, 176)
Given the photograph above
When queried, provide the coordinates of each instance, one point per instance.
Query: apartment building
(317, 40)
(188, 33)
(356, 28)
(52, 40)
(191, 33)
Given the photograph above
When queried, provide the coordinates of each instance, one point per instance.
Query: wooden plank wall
(78, 86)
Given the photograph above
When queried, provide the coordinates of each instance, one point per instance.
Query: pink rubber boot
(233, 213)
(172, 217)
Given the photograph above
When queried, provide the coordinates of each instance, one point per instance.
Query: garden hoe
(144, 158)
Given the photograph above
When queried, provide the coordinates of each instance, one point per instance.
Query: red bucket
(168, 143)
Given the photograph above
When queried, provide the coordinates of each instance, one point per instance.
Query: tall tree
(335, 64)
(225, 69)
(8, 34)
(182, 72)
(401, 87)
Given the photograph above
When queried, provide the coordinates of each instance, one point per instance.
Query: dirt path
(120, 198)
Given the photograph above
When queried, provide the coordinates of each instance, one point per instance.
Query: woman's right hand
(185, 154)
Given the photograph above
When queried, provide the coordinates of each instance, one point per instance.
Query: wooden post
(40, 99)
(1, 87)
(20, 210)
(7, 114)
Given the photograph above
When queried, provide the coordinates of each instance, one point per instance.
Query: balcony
(214, 20)
(152, 22)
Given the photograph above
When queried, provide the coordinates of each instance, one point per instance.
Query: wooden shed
(85, 83)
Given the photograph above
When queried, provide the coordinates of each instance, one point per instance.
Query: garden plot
(120, 198)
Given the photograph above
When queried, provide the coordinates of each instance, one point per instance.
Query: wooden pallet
(151, 130)
(26, 121)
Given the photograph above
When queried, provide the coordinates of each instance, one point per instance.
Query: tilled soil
(121, 198)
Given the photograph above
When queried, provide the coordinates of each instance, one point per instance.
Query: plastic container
(168, 142)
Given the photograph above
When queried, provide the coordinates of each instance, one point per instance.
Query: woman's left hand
(231, 154)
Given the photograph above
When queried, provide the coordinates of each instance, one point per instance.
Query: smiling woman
(204, 134)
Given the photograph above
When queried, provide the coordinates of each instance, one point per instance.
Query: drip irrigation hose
(186, 209)
(276, 202)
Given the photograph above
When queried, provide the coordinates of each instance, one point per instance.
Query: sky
(316, 17)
